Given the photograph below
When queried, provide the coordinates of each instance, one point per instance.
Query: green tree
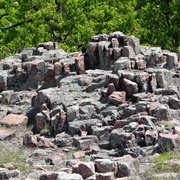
(160, 22)
(70, 22)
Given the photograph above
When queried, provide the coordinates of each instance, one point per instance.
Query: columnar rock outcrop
(109, 101)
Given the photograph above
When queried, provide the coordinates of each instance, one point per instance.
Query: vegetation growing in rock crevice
(73, 22)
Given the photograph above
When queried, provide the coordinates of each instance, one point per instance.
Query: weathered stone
(127, 51)
(86, 169)
(50, 74)
(117, 97)
(44, 142)
(162, 112)
(72, 113)
(7, 174)
(146, 120)
(35, 73)
(40, 121)
(120, 139)
(105, 165)
(79, 154)
(131, 127)
(114, 42)
(168, 142)
(68, 176)
(110, 89)
(129, 111)
(6, 134)
(112, 78)
(85, 143)
(117, 34)
(174, 103)
(142, 79)
(134, 42)
(48, 45)
(63, 139)
(76, 127)
(172, 60)
(2, 82)
(141, 64)
(152, 106)
(121, 64)
(127, 166)
(150, 137)
(176, 130)
(29, 140)
(80, 64)
(141, 106)
(38, 153)
(55, 160)
(102, 48)
(116, 53)
(166, 78)
(14, 120)
(156, 57)
(130, 86)
(100, 131)
(92, 51)
(105, 176)
(58, 68)
(99, 37)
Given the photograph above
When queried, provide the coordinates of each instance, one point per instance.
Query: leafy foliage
(73, 22)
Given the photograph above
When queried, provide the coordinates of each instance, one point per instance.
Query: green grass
(163, 164)
(14, 156)
(167, 156)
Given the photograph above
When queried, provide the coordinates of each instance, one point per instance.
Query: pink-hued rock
(92, 51)
(128, 51)
(2, 82)
(141, 64)
(79, 154)
(58, 68)
(105, 165)
(14, 120)
(111, 88)
(55, 159)
(176, 130)
(131, 87)
(114, 42)
(162, 112)
(40, 121)
(50, 74)
(62, 121)
(6, 134)
(127, 166)
(172, 60)
(85, 169)
(123, 178)
(80, 65)
(93, 177)
(116, 53)
(29, 140)
(112, 78)
(150, 137)
(121, 64)
(118, 97)
(167, 142)
(152, 106)
(102, 53)
(105, 176)
(44, 142)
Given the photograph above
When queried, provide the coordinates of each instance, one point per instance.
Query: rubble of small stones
(107, 108)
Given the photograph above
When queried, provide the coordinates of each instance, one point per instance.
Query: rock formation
(109, 102)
